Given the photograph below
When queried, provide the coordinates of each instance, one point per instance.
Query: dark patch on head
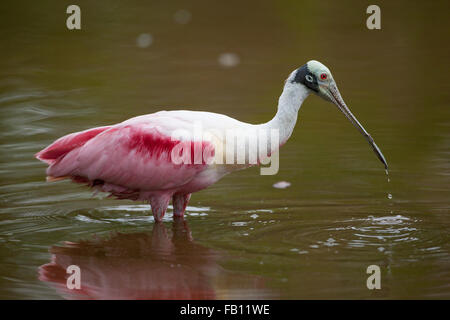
(305, 77)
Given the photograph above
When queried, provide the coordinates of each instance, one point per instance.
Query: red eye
(323, 76)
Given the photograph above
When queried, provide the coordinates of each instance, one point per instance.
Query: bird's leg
(180, 202)
(159, 206)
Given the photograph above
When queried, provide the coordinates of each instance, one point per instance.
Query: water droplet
(282, 185)
(389, 196)
(144, 40)
(229, 60)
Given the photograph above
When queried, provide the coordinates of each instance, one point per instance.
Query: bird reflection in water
(156, 265)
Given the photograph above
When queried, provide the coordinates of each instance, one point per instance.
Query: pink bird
(138, 159)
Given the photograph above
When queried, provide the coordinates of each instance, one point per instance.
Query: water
(242, 237)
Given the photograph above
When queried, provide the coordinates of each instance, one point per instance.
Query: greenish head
(317, 78)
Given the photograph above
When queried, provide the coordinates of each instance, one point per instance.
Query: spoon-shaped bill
(339, 102)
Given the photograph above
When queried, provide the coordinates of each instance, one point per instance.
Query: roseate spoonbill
(133, 159)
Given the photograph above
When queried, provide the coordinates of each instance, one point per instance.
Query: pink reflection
(155, 265)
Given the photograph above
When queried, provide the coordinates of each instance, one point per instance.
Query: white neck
(289, 103)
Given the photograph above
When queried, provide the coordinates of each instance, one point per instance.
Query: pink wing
(65, 144)
(125, 158)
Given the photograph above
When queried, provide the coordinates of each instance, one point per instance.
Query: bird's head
(318, 79)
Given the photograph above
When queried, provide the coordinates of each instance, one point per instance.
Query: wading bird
(134, 159)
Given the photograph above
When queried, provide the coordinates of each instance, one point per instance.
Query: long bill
(339, 102)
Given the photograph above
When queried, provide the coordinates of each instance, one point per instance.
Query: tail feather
(65, 144)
